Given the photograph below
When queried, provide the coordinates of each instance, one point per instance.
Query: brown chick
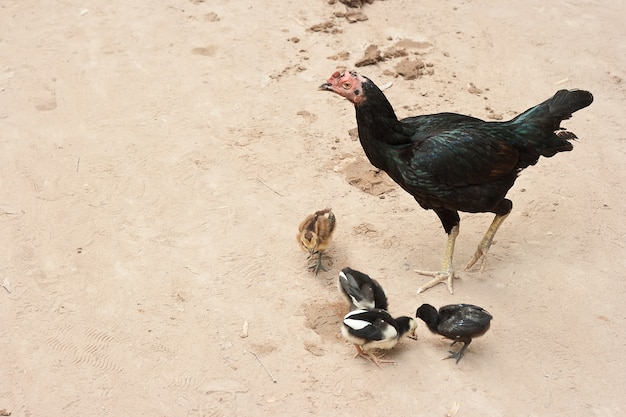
(315, 233)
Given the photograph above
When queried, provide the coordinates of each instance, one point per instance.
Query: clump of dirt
(352, 16)
(290, 69)
(394, 52)
(472, 89)
(339, 56)
(491, 114)
(370, 57)
(326, 27)
(411, 69)
(355, 4)
(362, 175)
(372, 181)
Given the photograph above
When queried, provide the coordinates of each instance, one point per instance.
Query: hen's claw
(447, 273)
(480, 254)
(438, 277)
(485, 243)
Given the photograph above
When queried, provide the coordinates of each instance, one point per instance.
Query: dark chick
(315, 234)
(372, 329)
(457, 322)
(361, 291)
(451, 162)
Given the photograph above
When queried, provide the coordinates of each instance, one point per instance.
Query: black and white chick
(361, 291)
(457, 322)
(371, 329)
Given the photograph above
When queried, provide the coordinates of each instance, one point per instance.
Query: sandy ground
(157, 158)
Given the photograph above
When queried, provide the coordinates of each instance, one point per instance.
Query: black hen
(457, 322)
(451, 162)
(362, 291)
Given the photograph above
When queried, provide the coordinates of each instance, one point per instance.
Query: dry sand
(157, 158)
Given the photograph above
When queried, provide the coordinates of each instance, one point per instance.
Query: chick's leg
(458, 355)
(318, 265)
(377, 359)
(359, 351)
(447, 273)
(485, 244)
(369, 355)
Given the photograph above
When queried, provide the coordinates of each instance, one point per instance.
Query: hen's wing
(469, 154)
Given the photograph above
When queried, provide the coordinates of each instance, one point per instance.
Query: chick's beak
(326, 87)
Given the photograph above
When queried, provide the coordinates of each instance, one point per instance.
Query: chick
(375, 328)
(457, 322)
(361, 290)
(315, 233)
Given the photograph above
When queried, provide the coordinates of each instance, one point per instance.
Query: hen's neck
(378, 125)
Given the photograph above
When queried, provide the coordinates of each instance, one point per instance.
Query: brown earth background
(157, 158)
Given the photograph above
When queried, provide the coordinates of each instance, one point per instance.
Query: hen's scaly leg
(447, 273)
(485, 244)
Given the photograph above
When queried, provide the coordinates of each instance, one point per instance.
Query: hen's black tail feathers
(539, 127)
(549, 114)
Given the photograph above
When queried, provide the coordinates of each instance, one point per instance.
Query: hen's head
(348, 84)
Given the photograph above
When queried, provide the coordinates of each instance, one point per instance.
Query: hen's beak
(326, 87)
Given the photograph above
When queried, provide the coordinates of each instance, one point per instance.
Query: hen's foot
(485, 243)
(479, 255)
(438, 277)
(447, 273)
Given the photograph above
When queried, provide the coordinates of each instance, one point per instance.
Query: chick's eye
(346, 85)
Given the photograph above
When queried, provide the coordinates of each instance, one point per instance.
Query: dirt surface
(157, 158)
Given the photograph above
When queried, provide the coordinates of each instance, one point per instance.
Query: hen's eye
(346, 86)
